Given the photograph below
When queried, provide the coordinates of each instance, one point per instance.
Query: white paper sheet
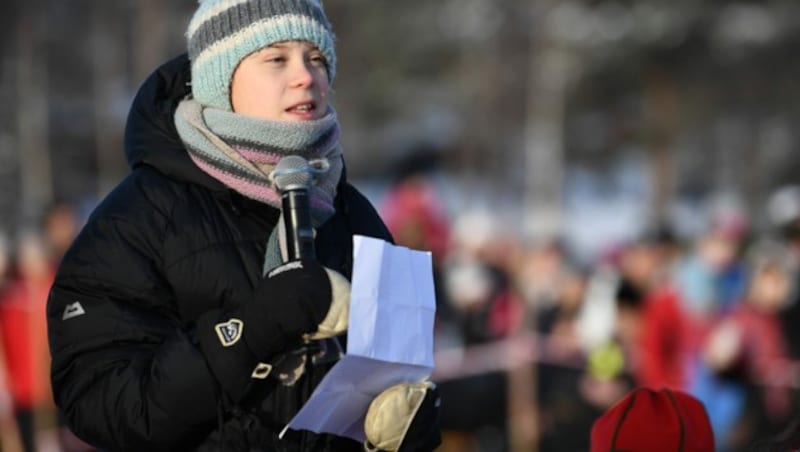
(389, 339)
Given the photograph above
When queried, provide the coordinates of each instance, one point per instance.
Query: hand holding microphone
(300, 299)
(293, 178)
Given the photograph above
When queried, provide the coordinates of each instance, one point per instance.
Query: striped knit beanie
(222, 32)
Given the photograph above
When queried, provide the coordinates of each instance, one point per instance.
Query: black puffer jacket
(165, 246)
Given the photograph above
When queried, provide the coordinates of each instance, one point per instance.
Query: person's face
(769, 289)
(286, 81)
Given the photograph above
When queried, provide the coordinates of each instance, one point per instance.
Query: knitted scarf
(241, 152)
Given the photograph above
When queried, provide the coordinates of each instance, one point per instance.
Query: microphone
(293, 176)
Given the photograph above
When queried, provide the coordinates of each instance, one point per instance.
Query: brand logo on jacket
(73, 310)
(229, 332)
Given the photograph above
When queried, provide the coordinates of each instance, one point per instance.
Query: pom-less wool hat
(222, 32)
(654, 421)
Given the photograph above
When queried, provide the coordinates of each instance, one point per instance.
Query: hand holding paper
(390, 337)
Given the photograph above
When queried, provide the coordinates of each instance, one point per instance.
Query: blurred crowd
(532, 346)
(28, 417)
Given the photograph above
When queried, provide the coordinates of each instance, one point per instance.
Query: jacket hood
(150, 135)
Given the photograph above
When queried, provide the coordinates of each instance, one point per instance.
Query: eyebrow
(284, 44)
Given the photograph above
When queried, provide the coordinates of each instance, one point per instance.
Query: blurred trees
(521, 97)
(69, 72)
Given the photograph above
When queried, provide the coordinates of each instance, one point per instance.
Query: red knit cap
(654, 421)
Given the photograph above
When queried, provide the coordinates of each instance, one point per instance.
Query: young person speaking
(174, 321)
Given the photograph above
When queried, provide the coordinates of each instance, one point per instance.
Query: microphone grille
(292, 171)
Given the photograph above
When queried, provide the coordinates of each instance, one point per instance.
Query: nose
(302, 76)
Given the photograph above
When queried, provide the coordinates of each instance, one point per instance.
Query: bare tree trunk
(662, 117)
(9, 179)
(151, 22)
(9, 157)
(108, 87)
(33, 125)
(552, 65)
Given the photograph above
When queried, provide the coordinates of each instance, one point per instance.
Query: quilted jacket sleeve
(124, 371)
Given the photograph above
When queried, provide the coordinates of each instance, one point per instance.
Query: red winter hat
(654, 421)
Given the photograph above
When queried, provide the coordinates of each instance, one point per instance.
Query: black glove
(289, 303)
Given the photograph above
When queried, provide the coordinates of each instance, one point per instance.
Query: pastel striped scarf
(241, 151)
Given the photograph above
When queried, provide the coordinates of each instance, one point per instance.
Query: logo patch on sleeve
(229, 332)
(73, 310)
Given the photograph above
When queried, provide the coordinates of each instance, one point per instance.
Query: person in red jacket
(658, 336)
(23, 330)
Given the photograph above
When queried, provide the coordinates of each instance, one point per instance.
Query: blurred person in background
(657, 328)
(10, 437)
(539, 277)
(711, 278)
(23, 330)
(477, 279)
(790, 315)
(570, 395)
(607, 328)
(485, 309)
(783, 213)
(417, 219)
(608, 368)
(413, 210)
(61, 223)
(746, 350)
(60, 226)
(174, 322)
(558, 321)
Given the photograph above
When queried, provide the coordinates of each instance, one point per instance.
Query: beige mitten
(335, 321)
(391, 413)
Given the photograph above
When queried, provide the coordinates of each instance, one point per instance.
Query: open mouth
(303, 108)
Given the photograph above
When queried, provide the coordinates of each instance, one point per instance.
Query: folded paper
(389, 338)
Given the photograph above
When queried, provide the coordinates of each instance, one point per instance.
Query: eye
(317, 59)
(275, 59)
